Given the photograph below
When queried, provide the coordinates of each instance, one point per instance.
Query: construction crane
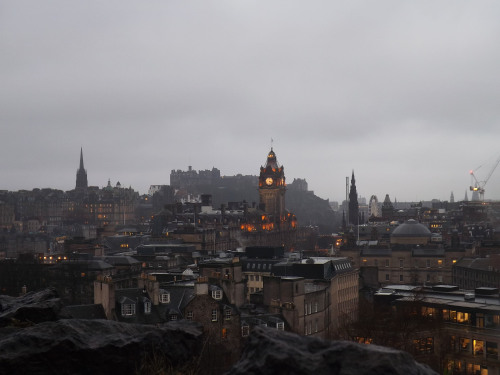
(477, 185)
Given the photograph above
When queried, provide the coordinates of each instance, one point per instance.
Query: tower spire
(81, 174)
(81, 158)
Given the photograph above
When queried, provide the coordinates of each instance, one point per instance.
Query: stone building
(316, 296)
(410, 258)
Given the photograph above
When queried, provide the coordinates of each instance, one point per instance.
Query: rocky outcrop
(269, 351)
(75, 346)
(31, 308)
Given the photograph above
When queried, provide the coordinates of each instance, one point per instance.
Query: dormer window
(164, 297)
(128, 309)
(217, 294)
(147, 307)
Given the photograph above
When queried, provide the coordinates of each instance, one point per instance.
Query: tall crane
(477, 185)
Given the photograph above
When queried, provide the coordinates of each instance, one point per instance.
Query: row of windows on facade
(257, 266)
(254, 277)
(461, 366)
(129, 309)
(308, 327)
(427, 278)
(480, 348)
(428, 263)
(480, 320)
(308, 308)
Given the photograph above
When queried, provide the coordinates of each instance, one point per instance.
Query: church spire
(81, 174)
(81, 159)
(353, 202)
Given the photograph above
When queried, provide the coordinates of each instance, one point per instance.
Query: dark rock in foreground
(269, 351)
(76, 346)
(31, 308)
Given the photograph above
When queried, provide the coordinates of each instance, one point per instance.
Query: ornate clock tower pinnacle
(272, 188)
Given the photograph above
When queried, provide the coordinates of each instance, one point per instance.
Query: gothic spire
(81, 174)
(81, 158)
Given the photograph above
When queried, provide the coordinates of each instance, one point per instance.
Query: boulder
(78, 346)
(269, 351)
(31, 308)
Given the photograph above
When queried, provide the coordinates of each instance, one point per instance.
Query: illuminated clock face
(269, 181)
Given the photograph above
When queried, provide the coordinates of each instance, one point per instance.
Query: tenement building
(461, 334)
(315, 296)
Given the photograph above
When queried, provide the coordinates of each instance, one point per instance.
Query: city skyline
(403, 94)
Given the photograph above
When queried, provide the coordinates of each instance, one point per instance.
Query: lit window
(478, 347)
(440, 262)
(464, 344)
(214, 315)
(224, 333)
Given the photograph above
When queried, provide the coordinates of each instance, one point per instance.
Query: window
(316, 325)
(491, 350)
(214, 315)
(424, 345)
(464, 344)
(305, 309)
(400, 277)
(387, 262)
(257, 278)
(280, 326)
(224, 333)
(428, 278)
(189, 315)
(165, 297)
(478, 347)
(245, 330)
(217, 294)
(440, 263)
(401, 263)
(315, 307)
(462, 317)
(375, 262)
(227, 314)
(386, 277)
(428, 263)
(251, 277)
(147, 307)
(128, 309)
(173, 317)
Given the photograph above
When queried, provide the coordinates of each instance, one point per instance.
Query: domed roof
(411, 228)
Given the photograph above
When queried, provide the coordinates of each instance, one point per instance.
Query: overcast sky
(405, 93)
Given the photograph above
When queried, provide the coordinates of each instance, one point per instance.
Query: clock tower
(272, 188)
